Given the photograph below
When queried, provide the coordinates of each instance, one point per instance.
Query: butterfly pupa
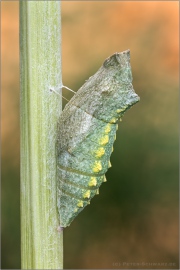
(86, 133)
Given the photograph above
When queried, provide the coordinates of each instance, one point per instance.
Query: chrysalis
(86, 133)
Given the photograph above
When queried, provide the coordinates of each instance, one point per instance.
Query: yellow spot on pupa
(100, 152)
(87, 194)
(109, 165)
(75, 210)
(108, 128)
(105, 180)
(104, 140)
(115, 137)
(80, 204)
(97, 191)
(97, 166)
(119, 110)
(112, 149)
(92, 182)
(88, 202)
(113, 120)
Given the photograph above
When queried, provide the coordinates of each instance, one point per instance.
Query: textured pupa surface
(86, 133)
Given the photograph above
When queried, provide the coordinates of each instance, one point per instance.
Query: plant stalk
(40, 71)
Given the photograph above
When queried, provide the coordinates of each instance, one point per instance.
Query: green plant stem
(40, 70)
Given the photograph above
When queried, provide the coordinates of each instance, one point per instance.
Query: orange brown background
(133, 223)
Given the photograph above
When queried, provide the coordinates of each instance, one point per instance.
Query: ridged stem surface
(40, 70)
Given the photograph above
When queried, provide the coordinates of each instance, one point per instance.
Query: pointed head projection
(122, 61)
(120, 96)
(109, 92)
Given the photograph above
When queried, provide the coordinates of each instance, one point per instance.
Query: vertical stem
(40, 58)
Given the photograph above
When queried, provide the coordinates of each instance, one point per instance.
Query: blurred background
(133, 223)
